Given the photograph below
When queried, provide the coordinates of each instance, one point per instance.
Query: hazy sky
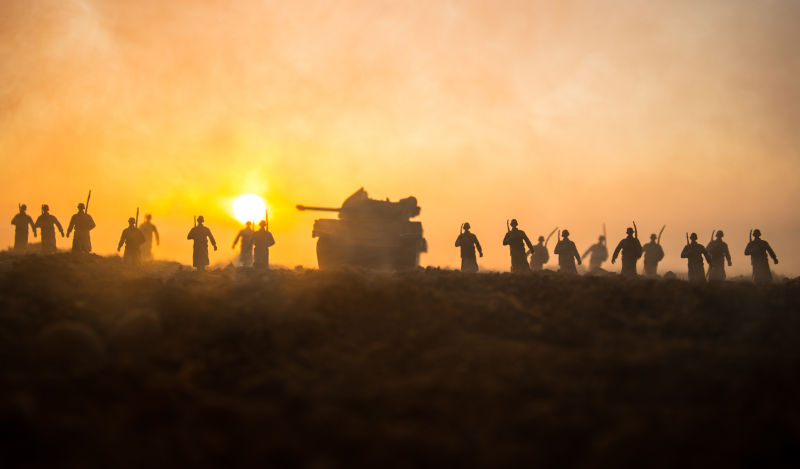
(569, 113)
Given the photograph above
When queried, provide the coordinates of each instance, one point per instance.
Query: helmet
(564, 232)
(23, 207)
(45, 207)
(131, 220)
(514, 222)
(756, 232)
(147, 216)
(720, 234)
(466, 225)
(629, 230)
(262, 223)
(653, 236)
(693, 236)
(200, 219)
(541, 238)
(601, 238)
(247, 223)
(81, 206)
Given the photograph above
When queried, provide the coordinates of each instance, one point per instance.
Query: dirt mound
(107, 365)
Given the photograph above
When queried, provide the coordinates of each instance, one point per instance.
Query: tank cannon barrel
(318, 209)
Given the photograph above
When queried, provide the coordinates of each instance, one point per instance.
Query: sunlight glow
(249, 207)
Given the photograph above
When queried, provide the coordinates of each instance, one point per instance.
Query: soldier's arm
(33, 227)
(576, 254)
(478, 246)
(458, 241)
(71, 226)
(527, 241)
(616, 252)
(683, 253)
(121, 240)
(771, 253)
(236, 239)
(270, 239)
(155, 232)
(213, 241)
(707, 255)
(505, 239)
(91, 223)
(747, 249)
(728, 255)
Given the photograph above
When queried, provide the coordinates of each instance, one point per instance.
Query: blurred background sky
(568, 113)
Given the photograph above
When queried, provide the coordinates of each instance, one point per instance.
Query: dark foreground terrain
(163, 367)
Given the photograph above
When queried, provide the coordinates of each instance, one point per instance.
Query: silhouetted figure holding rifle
(82, 223)
(201, 235)
(599, 254)
(133, 239)
(149, 231)
(694, 252)
(468, 243)
(631, 252)
(246, 251)
(47, 227)
(567, 254)
(758, 249)
(539, 255)
(516, 240)
(262, 240)
(653, 253)
(21, 222)
(718, 249)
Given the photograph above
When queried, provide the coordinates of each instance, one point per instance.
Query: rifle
(659, 234)
(687, 238)
(88, 198)
(712, 236)
(195, 221)
(508, 227)
(605, 236)
(137, 218)
(635, 231)
(751, 235)
(461, 230)
(548, 236)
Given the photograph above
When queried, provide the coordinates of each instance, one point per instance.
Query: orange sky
(556, 113)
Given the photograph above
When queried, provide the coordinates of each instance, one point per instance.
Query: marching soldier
(133, 239)
(246, 252)
(47, 225)
(758, 249)
(718, 249)
(149, 231)
(468, 243)
(262, 240)
(516, 240)
(21, 222)
(631, 252)
(567, 254)
(653, 253)
(201, 235)
(539, 255)
(82, 223)
(599, 254)
(694, 252)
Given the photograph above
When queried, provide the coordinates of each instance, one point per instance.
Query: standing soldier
(599, 254)
(653, 253)
(262, 240)
(47, 225)
(631, 252)
(149, 231)
(21, 222)
(718, 249)
(694, 252)
(201, 235)
(83, 223)
(468, 242)
(758, 249)
(246, 253)
(133, 239)
(516, 240)
(539, 255)
(567, 254)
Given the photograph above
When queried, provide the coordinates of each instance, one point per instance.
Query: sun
(249, 207)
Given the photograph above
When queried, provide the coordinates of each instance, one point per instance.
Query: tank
(369, 233)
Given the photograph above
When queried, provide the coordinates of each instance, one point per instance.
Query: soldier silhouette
(653, 253)
(262, 240)
(539, 255)
(758, 249)
(47, 225)
(246, 252)
(133, 239)
(516, 240)
(201, 235)
(567, 254)
(83, 223)
(149, 231)
(599, 254)
(694, 252)
(21, 222)
(468, 243)
(631, 252)
(718, 249)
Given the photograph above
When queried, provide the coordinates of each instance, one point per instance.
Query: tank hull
(396, 246)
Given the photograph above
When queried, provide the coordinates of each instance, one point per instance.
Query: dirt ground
(105, 365)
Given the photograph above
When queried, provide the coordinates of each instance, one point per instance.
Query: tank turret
(369, 233)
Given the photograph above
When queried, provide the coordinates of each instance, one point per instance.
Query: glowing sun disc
(249, 207)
